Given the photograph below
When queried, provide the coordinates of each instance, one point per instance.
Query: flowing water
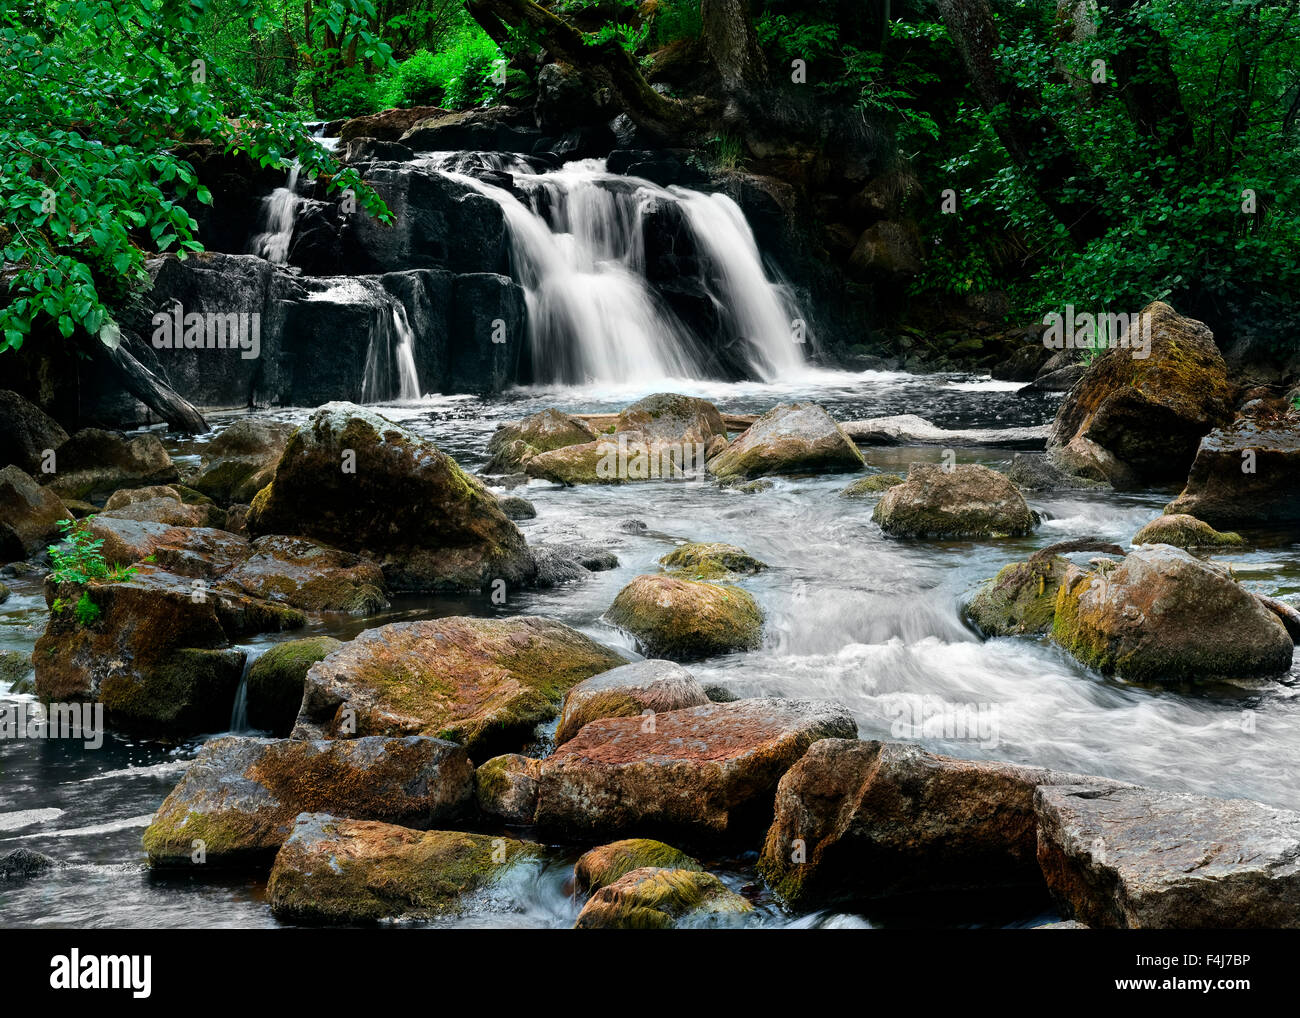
(279, 215)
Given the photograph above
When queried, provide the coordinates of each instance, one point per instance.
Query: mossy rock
(514, 444)
(506, 787)
(601, 866)
(685, 620)
(652, 898)
(275, 682)
(711, 561)
(1183, 531)
(629, 691)
(4, 593)
(792, 438)
(966, 501)
(1020, 600)
(873, 484)
(517, 508)
(14, 666)
(333, 870)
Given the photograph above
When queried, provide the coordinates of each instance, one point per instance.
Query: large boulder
(669, 417)
(1183, 531)
(710, 561)
(514, 444)
(27, 433)
(685, 620)
(1021, 599)
(276, 679)
(310, 576)
(966, 501)
(599, 867)
(858, 820)
(1134, 420)
(239, 796)
(485, 683)
(506, 787)
(629, 691)
(1163, 615)
(387, 125)
(655, 898)
(1246, 474)
(355, 480)
(95, 462)
(704, 773)
(240, 461)
(792, 438)
(335, 870)
(492, 129)
(29, 515)
(1138, 858)
(617, 459)
(168, 510)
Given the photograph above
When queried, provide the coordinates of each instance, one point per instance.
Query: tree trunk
(728, 33)
(148, 388)
(1033, 140)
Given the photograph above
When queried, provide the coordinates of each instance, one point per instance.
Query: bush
(461, 73)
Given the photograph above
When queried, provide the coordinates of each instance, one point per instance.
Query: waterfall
(279, 213)
(577, 247)
(390, 372)
(239, 711)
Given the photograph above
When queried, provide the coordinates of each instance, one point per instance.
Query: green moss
(1020, 600)
(652, 898)
(685, 620)
(1183, 531)
(602, 866)
(275, 681)
(702, 561)
(871, 485)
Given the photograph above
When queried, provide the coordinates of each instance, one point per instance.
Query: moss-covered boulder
(601, 866)
(14, 666)
(95, 463)
(669, 417)
(1184, 531)
(684, 620)
(652, 898)
(618, 459)
(240, 461)
(873, 484)
(1134, 420)
(333, 870)
(1220, 491)
(506, 787)
(1021, 599)
(168, 510)
(29, 515)
(485, 683)
(240, 796)
(792, 438)
(1164, 616)
(711, 561)
(311, 576)
(514, 444)
(356, 481)
(517, 508)
(703, 774)
(276, 679)
(967, 501)
(629, 691)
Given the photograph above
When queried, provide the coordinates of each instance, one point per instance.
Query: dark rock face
(26, 432)
(29, 515)
(1138, 858)
(94, 462)
(496, 129)
(488, 329)
(24, 864)
(1245, 474)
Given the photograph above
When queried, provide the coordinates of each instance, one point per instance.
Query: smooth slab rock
(356, 481)
(792, 438)
(1138, 858)
(654, 898)
(684, 620)
(629, 691)
(1220, 492)
(29, 515)
(859, 820)
(908, 429)
(485, 683)
(1163, 615)
(240, 795)
(1183, 531)
(334, 870)
(601, 866)
(514, 444)
(968, 501)
(704, 773)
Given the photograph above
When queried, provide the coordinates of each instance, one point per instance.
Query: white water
(390, 372)
(578, 249)
(279, 213)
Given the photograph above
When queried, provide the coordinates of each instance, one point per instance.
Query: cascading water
(279, 214)
(390, 372)
(578, 247)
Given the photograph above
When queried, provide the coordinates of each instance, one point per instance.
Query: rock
(167, 510)
(79, 509)
(651, 898)
(1035, 472)
(275, 682)
(617, 459)
(1134, 421)
(683, 620)
(629, 691)
(373, 150)
(333, 870)
(1061, 380)
(486, 683)
(1164, 616)
(517, 508)
(129, 496)
(669, 417)
(568, 97)
(792, 438)
(1183, 531)
(241, 461)
(29, 515)
(24, 864)
(873, 484)
(1021, 599)
(155, 651)
(27, 433)
(14, 666)
(704, 773)
(4, 593)
(94, 462)
(1223, 493)
(888, 248)
(187, 551)
(1138, 858)
(601, 866)
(968, 501)
(880, 818)
(720, 694)
(387, 125)
(506, 787)
(513, 445)
(406, 505)
(493, 129)
(310, 576)
(908, 429)
(711, 561)
(479, 359)
(240, 796)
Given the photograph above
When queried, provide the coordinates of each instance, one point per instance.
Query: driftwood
(1078, 544)
(148, 388)
(1289, 616)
